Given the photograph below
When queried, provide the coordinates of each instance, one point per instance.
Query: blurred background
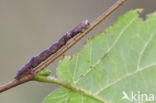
(29, 26)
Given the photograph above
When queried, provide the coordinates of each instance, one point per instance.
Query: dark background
(29, 26)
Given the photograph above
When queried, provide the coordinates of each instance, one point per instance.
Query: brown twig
(15, 83)
(64, 49)
(41, 57)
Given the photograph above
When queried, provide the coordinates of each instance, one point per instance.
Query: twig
(41, 57)
(15, 82)
(70, 44)
(64, 49)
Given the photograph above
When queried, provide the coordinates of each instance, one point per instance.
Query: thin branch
(15, 83)
(9, 85)
(63, 49)
(70, 44)
(45, 54)
(67, 85)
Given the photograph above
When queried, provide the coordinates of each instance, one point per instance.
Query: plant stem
(15, 83)
(67, 85)
(29, 77)
(70, 44)
(8, 85)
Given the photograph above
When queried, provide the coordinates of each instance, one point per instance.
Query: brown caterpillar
(36, 60)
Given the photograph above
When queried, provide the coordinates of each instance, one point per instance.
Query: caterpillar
(36, 60)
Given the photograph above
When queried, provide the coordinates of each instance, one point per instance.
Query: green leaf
(120, 61)
(45, 72)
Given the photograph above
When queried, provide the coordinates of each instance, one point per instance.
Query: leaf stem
(67, 85)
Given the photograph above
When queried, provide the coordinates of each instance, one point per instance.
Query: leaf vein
(124, 77)
(143, 49)
(108, 50)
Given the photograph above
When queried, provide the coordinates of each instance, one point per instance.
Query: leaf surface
(120, 60)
